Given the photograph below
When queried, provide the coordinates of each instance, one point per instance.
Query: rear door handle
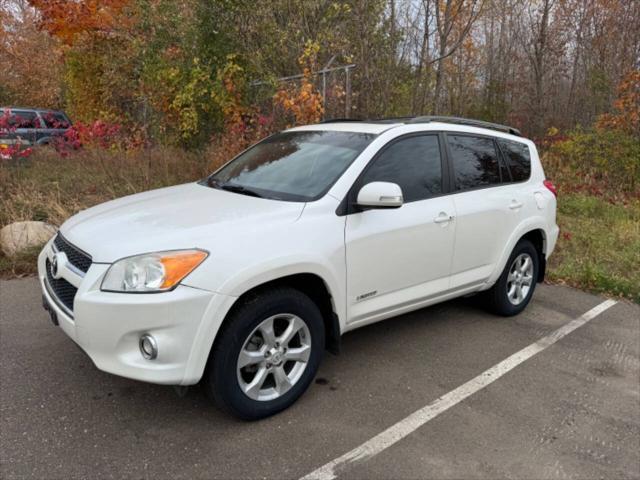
(443, 218)
(514, 205)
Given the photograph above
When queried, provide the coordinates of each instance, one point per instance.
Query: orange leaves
(303, 100)
(626, 116)
(66, 19)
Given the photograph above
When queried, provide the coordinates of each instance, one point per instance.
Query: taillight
(552, 188)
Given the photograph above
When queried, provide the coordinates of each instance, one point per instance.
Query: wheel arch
(535, 232)
(319, 292)
(312, 285)
(539, 240)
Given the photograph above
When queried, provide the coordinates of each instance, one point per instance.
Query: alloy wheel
(274, 357)
(520, 279)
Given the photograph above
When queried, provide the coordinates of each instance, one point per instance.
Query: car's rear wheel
(267, 354)
(512, 292)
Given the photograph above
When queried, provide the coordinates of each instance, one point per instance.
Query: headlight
(151, 272)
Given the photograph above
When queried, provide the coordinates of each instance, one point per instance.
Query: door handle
(443, 218)
(514, 205)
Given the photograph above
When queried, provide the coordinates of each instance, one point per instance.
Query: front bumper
(108, 326)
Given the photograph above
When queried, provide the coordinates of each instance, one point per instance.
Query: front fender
(243, 281)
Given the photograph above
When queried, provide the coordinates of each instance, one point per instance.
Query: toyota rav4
(243, 280)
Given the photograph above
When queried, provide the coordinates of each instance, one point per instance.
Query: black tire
(221, 375)
(497, 298)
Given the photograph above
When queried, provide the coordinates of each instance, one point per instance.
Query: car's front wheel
(267, 354)
(512, 292)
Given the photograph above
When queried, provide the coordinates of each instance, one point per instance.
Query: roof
(31, 109)
(380, 125)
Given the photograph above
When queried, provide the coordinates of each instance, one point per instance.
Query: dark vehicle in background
(31, 126)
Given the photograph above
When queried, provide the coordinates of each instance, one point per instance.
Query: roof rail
(434, 118)
(466, 121)
(333, 120)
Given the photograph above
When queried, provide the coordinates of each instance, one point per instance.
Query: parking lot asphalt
(570, 411)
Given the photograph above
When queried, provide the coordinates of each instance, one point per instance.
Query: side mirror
(380, 195)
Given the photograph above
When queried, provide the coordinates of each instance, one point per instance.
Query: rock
(20, 235)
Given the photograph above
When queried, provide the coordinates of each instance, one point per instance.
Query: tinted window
(475, 161)
(297, 166)
(413, 163)
(518, 159)
(24, 120)
(55, 120)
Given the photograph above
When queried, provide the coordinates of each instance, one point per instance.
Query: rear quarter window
(55, 120)
(518, 159)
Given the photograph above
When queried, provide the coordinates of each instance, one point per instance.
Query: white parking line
(417, 419)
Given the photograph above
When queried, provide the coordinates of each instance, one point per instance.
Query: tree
(31, 60)
(626, 115)
(68, 19)
(454, 19)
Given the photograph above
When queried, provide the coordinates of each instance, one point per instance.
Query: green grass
(599, 246)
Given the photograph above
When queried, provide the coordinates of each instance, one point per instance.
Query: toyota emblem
(54, 267)
(56, 262)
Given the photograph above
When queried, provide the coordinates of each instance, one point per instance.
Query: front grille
(63, 290)
(76, 257)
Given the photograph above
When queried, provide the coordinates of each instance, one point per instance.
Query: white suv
(242, 280)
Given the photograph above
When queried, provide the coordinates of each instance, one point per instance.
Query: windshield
(295, 166)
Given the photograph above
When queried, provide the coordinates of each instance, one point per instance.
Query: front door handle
(443, 218)
(514, 205)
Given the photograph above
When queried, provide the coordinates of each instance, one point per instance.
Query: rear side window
(518, 158)
(413, 163)
(475, 161)
(24, 120)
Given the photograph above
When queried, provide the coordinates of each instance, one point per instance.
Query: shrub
(303, 102)
(599, 162)
(626, 107)
(8, 127)
(98, 134)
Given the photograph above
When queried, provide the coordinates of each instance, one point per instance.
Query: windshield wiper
(240, 189)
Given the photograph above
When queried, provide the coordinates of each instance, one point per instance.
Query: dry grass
(51, 188)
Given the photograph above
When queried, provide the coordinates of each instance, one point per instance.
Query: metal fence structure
(333, 83)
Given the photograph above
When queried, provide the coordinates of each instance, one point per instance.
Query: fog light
(148, 347)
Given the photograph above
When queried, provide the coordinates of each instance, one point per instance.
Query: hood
(184, 216)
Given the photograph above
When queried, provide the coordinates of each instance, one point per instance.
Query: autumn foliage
(626, 107)
(303, 101)
(603, 161)
(13, 150)
(188, 73)
(98, 134)
(67, 19)
(245, 124)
